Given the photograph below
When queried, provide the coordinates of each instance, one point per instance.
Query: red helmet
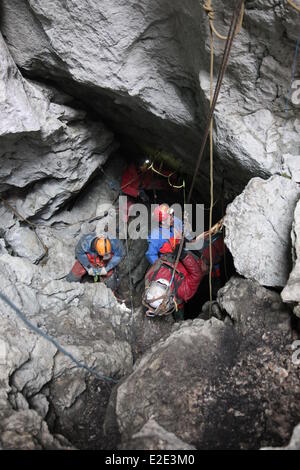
(161, 213)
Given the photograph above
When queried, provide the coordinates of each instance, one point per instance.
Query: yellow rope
(151, 167)
(297, 7)
(211, 15)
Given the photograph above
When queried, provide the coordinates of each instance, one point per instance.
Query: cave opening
(193, 308)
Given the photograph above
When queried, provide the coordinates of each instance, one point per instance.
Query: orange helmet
(103, 247)
(161, 213)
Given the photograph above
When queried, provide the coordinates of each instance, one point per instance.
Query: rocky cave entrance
(194, 307)
(83, 95)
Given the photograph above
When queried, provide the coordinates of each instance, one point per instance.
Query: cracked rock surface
(154, 437)
(291, 292)
(76, 79)
(219, 384)
(42, 167)
(88, 322)
(258, 225)
(145, 66)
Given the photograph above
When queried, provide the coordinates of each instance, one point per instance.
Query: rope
(182, 186)
(211, 15)
(231, 34)
(292, 4)
(129, 275)
(151, 167)
(30, 224)
(223, 66)
(209, 10)
(60, 348)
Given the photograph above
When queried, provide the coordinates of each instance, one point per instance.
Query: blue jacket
(84, 246)
(158, 237)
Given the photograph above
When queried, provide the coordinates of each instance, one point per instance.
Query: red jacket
(188, 276)
(134, 180)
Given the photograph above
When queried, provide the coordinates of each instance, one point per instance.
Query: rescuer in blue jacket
(98, 257)
(162, 234)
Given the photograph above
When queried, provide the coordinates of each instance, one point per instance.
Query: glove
(144, 197)
(92, 272)
(102, 272)
(187, 228)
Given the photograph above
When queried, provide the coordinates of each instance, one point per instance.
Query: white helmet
(156, 292)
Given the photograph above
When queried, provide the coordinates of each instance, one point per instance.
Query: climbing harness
(60, 348)
(167, 302)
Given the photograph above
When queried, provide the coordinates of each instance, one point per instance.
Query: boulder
(17, 114)
(49, 148)
(119, 57)
(57, 164)
(294, 443)
(148, 331)
(258, 225)
(218, 384)
(26, 430)
(291, 292)
(152, 436)
(25, 243)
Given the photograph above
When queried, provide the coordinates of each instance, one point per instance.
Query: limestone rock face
(208, 381)
(143, 67)
(16, 112)
(291, 293)
(258, 225)
(24, 243)
(85, 319)
(25, 430)
(49, 149)
(57, 166)
(146, 67)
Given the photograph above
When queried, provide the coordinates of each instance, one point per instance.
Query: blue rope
(37, 330)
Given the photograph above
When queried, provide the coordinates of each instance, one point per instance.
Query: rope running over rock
(60, 348)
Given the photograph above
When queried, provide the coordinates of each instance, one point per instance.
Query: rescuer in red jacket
(137, 180)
